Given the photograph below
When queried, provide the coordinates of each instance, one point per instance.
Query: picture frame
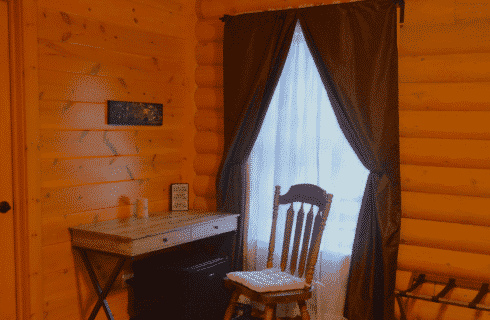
(126, 113)
(179, 196)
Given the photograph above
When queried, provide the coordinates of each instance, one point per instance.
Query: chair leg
(269, 312)
(274, 312)
(232, 304)
(304, 310)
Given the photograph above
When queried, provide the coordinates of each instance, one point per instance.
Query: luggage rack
(439, 298)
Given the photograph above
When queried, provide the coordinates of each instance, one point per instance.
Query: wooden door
(7, 263)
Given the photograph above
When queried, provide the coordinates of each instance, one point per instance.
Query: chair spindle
(306, 241)
(272, 241)
(287, 237)
(314, 238)
(297, 238)
(315, 247)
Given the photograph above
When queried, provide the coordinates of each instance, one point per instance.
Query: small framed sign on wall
(180, 196)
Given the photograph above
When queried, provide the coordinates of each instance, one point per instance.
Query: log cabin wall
(444, 74)
(444, 80)
(89, 52)
(146, 50)
(209, 140)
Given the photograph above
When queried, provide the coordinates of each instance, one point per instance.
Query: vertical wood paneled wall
(89, 52)
(444, 80)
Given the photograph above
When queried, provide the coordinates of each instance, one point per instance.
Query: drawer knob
(165, 239)
(216, 227)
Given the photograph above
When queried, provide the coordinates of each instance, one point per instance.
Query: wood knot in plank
(65, 17)
(95, 69)
(123, 83)
(65, 36)
(67, 106)
(83, 135)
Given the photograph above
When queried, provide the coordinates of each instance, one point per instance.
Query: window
(301, 142)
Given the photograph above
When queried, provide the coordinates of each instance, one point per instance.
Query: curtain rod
(400, 3)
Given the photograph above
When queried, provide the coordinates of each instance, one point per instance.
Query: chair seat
(267, 280)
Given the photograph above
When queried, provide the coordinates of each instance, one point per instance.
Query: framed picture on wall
(127, 113)
(180, 196)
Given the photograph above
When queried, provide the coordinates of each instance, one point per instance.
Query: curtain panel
(354, 49)
(254, 52)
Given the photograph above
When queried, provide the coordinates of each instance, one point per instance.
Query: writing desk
(135, 238)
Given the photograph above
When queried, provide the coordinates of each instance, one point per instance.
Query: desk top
(135, 236)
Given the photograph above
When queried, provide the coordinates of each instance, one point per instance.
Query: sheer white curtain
(301, 142)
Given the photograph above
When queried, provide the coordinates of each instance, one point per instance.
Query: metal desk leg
(403, 315)
(102, 294)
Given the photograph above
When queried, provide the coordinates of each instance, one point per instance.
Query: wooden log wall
(444, 80)
(209, 139)
(444, 65)
(89, 52)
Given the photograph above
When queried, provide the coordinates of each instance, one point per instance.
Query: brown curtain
(254, 53)
(354, 48)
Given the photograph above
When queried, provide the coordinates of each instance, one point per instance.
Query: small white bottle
(142, 208)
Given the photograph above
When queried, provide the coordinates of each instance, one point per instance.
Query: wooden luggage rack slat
(450, 284)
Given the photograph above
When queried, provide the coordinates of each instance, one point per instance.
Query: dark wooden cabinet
(186, 283)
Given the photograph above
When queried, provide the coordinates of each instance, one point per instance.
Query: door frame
(26, 176)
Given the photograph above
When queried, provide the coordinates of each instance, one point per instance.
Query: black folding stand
(102, 293)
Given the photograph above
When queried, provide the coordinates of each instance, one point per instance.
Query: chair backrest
(304, 193)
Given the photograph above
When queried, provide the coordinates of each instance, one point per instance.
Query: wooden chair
(272, 286)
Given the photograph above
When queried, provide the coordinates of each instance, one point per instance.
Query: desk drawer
(161, 241)
(212, 228)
